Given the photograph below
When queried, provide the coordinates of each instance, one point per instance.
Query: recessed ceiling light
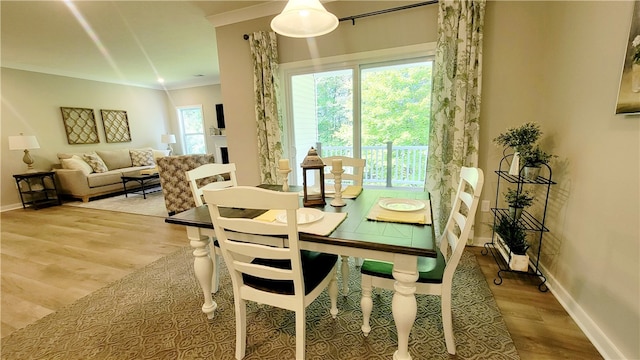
(198, 75)
(160, 80)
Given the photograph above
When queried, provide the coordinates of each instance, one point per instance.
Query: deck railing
(402, 166)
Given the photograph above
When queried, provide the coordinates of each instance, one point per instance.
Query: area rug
(154, 313)
(153, 205)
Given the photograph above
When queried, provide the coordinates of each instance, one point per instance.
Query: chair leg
(447, 323)
(333, 295)
(215, 259)
(241, 328)
(301, 323)
(215, 279)
(366, 304)
(345, 274)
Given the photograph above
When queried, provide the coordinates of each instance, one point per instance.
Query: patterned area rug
(153, 205)
(154, 313)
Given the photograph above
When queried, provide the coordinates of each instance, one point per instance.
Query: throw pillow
(95, 162)
(142, 157)
(76, 163)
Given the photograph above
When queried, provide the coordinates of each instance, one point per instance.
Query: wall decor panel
(80, 125)
(116, 126)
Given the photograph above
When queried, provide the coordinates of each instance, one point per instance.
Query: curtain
(264, 51)
(454, 131)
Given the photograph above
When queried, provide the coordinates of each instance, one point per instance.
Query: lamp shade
(168, 139)
(304, 18)
(22, 142)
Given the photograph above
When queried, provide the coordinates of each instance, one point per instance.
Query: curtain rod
(373, 13)
(380, 12)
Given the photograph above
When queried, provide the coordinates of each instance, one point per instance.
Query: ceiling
(123, 42)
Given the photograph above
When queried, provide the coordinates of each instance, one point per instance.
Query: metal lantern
(312, 162)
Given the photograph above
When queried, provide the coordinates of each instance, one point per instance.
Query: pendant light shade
(304, 18)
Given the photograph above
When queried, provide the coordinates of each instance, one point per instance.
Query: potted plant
(520, 138)
(517, 201)
(533, 158)
(514, 239)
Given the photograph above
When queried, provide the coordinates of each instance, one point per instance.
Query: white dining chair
(224, 174)
(353, 169)
(284, 277)
(435, 274)
(353, 174)
(211, 176)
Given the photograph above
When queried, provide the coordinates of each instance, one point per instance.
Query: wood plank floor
(54, 256)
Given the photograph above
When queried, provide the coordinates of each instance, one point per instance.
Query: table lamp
(24, 142)
(168, 139)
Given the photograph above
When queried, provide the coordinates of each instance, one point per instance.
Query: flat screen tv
(220, 116)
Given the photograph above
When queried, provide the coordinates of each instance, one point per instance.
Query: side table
(37, 189)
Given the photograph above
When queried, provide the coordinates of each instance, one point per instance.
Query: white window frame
(183, 133)
(356, 62)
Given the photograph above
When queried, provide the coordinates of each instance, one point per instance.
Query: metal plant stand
(528, 221)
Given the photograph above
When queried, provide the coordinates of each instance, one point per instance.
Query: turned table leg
(203, 268)
(404, 305)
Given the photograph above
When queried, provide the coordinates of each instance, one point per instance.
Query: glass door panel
(322, 105)
(394, 112)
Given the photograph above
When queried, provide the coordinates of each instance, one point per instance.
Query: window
(374, 108)
(192, 129)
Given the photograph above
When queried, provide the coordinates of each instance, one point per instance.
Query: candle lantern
(312, 163)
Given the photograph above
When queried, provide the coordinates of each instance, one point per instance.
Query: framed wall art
(116, 126)
(629, 93)
(80, 125)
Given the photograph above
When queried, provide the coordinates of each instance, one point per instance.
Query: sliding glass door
(379, 112)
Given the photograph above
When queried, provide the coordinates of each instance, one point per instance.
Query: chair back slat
(209, 176)
(263, 271)
(251, 226)
(252, 250)
(467, 199)
(353, 169)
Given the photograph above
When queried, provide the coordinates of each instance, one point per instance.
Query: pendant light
(303, 19)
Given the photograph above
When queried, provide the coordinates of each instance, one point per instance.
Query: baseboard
(592, 331)
(11, 207)
(479, 241)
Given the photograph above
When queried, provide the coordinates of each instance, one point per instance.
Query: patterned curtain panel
(454, 132)
(264, 51)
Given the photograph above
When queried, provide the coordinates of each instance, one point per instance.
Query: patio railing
(404, 166)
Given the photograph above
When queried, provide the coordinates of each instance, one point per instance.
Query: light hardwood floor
(54, 256)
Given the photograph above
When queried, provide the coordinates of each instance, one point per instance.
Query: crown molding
(248, 13)
(271, 7)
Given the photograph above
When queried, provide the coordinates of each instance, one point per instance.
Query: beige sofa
(92, 174)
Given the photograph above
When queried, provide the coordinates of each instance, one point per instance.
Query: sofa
(97, 173)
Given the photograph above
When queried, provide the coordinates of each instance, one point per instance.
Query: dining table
(359, 235)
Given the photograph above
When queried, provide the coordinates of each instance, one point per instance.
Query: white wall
(559, 63)
(31, 105)
(554, 62)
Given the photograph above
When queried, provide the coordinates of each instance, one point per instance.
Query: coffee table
(143, 180)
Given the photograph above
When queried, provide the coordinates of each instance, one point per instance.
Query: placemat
(422, 216)
(350, 192)
(322, 227)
